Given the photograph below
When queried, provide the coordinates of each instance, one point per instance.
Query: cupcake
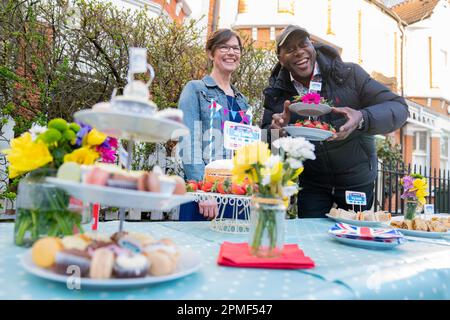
(118, 235)
(44, 251)
(70, 258)
(131, 266)
(102, 264)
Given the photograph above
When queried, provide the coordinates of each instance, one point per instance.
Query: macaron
(161, 264)
(43, 252)
(153, 183)
(97, 176)
(74, 242)
(180, 187)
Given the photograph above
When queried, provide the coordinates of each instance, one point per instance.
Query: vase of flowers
(414, 192)
(273, 179)
(42, 208)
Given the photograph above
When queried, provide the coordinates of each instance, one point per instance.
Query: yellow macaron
(44, 251)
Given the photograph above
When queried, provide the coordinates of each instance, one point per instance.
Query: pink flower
(311, 98)
(107, 155)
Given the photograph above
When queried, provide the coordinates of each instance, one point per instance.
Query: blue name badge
(428, 209)
(354, 197)
(237, 135)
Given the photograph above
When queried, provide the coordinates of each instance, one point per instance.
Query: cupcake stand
(132, 117)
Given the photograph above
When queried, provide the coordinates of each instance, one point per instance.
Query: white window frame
(422, 153)
(255, 33)
(445, 158)
(272, 33)
(178, 8)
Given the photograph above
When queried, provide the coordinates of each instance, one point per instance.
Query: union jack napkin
(365, 233)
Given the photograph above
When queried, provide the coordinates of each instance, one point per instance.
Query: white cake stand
(240, 219)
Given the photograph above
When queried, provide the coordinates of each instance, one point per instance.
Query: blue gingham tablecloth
(414, 270)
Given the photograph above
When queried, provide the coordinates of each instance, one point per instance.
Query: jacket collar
(210, 83)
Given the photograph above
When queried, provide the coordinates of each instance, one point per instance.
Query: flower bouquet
(414, 192)
(43, 209)
(273, 180)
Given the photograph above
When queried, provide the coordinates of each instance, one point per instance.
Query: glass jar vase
(42, 209)
(267, 227)
(411, 207)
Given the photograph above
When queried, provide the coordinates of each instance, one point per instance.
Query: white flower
(294, 163)
(289, 191)
(298, 148)
(36, 130)
(273, 160)
(266, 180)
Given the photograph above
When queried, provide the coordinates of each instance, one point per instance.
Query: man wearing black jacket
(362, 107)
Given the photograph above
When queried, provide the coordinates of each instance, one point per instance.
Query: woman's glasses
(223, 48)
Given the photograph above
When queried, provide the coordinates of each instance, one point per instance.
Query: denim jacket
(195, 101)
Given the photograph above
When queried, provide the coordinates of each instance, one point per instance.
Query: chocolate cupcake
(131, 266)
(66, 259)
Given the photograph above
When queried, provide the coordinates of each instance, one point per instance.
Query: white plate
(360, 223)
(422, 234)
(137, 126)
(121, 198)
(309, 110)
(368, 244)
(189, 262)
(312, 134)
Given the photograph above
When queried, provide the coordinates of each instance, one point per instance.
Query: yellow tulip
(251, 154)
(82, 155)
(95, 138)
(26, 155)
(276, 172)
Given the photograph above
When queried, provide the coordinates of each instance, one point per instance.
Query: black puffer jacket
(352, 162)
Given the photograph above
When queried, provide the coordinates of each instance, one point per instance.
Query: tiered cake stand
(132, 119)
(309, 110)
(239, 222)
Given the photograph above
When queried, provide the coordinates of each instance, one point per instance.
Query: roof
(412, 11)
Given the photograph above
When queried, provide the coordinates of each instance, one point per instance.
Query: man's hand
(280, 120)
(353, 118)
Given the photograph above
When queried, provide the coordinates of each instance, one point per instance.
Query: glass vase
(42, 210)
(267, 224)
(410, 209)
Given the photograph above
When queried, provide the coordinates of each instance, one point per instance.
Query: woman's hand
(208, 208)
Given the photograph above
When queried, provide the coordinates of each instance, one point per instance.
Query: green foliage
(389, 152)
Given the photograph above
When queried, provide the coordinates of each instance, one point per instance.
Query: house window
(255, 34)
(286, 6)
(421, 150)
(272, 33)
(178, 8)
(444, 153)
(243, 6)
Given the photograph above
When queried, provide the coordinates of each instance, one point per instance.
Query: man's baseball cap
(290, 30)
